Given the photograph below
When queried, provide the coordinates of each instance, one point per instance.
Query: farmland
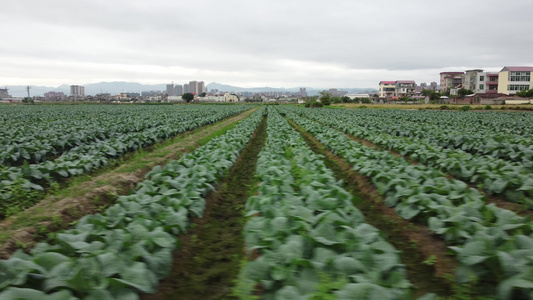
(269, 202)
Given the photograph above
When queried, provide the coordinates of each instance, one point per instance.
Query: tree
(463, 92)
(336, 100)
(203, 94)
(346, 99)
(427, 92)
(188, 97)
(27, 100)
(325, 98)
(525, 93)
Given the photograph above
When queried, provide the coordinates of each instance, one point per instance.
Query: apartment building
(196, 87)
(4, 93)
(450, 80)
(480, 82)
(77, 90)
(514, 79)
(405, 88)
(387, 89)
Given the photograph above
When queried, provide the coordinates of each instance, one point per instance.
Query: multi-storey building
(77, 91)
(54, 96)
(186, 88)
(303, 92)
(491, 83)
(514, 79)
(405, 88)
(170, 90)
(398, 88)
(387, 89)
(178, 90)
(196, 87)
(473, 79)
(201, 87)
(450, 80)
(4, 93)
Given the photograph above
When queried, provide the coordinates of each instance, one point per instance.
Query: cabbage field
(331, 204)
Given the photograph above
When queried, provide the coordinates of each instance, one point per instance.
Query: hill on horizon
(117, 87)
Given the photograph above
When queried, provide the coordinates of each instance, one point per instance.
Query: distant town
(470, 86)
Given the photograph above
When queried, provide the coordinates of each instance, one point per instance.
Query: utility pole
(28, 89)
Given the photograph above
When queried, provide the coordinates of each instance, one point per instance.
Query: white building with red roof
(514, 79)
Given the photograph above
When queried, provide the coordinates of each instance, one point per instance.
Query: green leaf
(14, 293)
(139, 277)
(289, 293)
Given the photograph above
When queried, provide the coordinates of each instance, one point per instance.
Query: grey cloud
(231, 41)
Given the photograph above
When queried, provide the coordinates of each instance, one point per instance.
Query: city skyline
(265, 43)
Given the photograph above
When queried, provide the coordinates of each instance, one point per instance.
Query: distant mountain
(122, 86)
(310, 91)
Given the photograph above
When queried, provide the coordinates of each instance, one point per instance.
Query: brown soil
(56, 213)
(415, 241)
(208, 262)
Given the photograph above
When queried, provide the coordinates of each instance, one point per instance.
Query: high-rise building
(193, 87)
(186, 88)
(178, 90)
(170, 90)
(4, 93)
(201, 87)
(303, 92)
(196, 87)
(77, 90)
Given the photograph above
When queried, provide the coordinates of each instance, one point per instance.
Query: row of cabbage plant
(492, 244)
(87, 157)
(128, 248)
(497, 134)
(513, 180)
(311, 240)
(36, 135)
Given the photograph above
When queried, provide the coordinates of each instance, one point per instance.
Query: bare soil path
(208, 262)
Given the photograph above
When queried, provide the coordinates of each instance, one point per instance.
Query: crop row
(87, 157)
(492, 244)
(128, 248)
(501, 135)
(37, 135)
(496, 176)
(311, 239)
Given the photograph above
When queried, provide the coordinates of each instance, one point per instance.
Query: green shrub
(488, 107)
(466, 108)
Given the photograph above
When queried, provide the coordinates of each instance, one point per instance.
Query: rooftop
(517, 69)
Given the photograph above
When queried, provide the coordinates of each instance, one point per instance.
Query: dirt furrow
(208, 262)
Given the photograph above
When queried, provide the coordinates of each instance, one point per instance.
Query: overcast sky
(277, 43)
